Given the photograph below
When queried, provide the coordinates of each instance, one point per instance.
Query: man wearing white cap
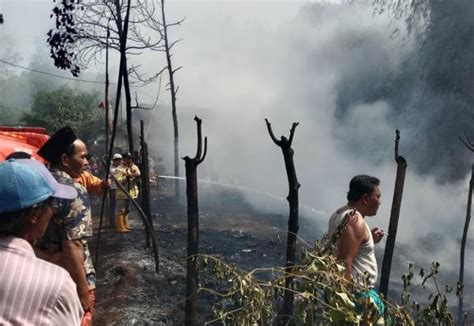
(32, 291)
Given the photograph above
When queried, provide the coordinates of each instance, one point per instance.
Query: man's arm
(94, 185)
(351, 238)
(73, 261)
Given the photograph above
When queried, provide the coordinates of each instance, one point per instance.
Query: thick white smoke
(286, 62)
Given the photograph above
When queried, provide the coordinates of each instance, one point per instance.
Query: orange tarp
(31, 138)
(9, 145)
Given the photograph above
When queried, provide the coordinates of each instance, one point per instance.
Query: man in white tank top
(355, 246)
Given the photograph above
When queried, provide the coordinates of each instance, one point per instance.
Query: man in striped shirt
(32, 291)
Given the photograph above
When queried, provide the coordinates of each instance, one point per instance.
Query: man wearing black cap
(69, 228)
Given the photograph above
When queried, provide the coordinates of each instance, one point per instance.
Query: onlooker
(33, 291)
(17, 155)
(69, 229)
(355, 245)
(128, 175)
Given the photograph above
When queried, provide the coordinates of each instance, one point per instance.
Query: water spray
(244, 189)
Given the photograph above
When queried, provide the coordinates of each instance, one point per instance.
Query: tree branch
(292, 132)
(205, 151)
(199, 138)
(270, 131)
(467, 142)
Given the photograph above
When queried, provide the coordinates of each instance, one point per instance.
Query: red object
(88, 314)
(22, 139)
(37, 130)
(31, 138)
(9, 145)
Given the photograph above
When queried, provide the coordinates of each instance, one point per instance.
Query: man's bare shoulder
(356, 223)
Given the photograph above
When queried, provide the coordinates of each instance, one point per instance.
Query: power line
(50, 74)
(64, 77)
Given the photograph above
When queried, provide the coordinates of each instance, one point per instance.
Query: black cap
(58, 144)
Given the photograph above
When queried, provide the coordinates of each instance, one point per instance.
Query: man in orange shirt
(95, 186)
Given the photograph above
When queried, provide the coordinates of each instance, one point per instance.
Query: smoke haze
(328, 67)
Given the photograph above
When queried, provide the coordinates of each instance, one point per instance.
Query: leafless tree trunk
(394, 216)
(193, 227)
(128, 107)
(463, 245)
(145, 178)
(469, 146)
(288, 153)
(123, 33)
(111, 148)
(106, 101)
(173, 89)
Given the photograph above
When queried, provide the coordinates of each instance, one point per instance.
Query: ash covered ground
(129, 292)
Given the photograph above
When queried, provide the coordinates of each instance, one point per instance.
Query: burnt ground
(128, 290)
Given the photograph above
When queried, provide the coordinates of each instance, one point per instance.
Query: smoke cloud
(326, 66)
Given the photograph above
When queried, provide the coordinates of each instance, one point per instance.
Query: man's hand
(85, 299)
(106, 184)
(377, 234)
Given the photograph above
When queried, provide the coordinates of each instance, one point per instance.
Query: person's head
(17, 155)
(116, 160)
(127, 158)
(28, 194)
(364, 193)
(66, 152)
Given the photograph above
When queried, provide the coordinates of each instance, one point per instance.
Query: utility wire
(64, 77)
(50, 74)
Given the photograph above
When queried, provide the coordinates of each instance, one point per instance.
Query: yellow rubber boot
(119, 223)
(125, 222)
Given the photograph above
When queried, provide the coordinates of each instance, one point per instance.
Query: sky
(250, 60)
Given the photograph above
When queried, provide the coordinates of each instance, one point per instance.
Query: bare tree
(470, 146)
(193, 226)
(81, 34)
(293, 184)
(394, 216)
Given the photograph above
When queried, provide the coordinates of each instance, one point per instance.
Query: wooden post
(145, 182)
(288, 153)
(394, 216)
(463, 245)
(193, 227)
(470, 146)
